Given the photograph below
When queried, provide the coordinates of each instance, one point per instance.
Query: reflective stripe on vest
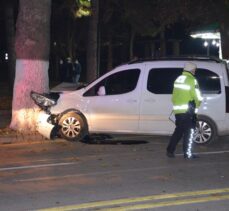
(180, 107)
(183, 107)
(182, 86)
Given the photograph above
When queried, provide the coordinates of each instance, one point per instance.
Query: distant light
(213, 42)
(207, 35)
(205, 44)
(6, 56)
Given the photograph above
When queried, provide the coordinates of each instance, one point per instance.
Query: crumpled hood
(67, 99)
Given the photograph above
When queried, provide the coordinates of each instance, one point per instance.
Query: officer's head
(190, 67)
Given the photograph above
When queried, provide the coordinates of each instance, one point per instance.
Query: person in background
(76, 72)
(69, 70)
(62, 69)
(186, 98)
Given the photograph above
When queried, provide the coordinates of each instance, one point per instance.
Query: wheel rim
(203, 132)
(71, 127)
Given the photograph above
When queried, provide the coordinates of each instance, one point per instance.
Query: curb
(20, 138)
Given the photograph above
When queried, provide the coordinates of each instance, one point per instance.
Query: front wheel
(73, 126)
(205, 131)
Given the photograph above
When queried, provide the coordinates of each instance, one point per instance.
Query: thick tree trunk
(32, 53)
(92, 44)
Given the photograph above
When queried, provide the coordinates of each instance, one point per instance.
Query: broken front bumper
(45, 127)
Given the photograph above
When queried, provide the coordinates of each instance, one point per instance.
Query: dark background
(178, 31)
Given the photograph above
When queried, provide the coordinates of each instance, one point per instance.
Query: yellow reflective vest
(185, 89)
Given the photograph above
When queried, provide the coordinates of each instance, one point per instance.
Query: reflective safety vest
(185, 89)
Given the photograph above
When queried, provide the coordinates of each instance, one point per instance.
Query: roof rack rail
(189, 58)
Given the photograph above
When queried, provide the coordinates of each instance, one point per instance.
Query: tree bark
(32, 54)
(92, 44)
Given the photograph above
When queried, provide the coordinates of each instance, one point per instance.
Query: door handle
(150, 100)
(131, 100)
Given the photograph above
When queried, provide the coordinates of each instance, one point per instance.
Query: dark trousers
(184, 125)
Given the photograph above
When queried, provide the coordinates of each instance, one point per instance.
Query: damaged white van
(135, 98)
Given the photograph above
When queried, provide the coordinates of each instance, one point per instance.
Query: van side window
(161, 80)
(118, 83)
(209, 81)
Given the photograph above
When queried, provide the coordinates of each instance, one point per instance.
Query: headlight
(42, 100)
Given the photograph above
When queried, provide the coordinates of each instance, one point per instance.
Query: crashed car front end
(46, 122)
(45, 101)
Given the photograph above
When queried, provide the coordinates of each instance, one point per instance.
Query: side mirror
(101, 91)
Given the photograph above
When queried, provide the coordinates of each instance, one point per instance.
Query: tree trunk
(131, 50)
(10, 39)
(109, 52)
(32, 54)
(92, 44)
(162, 44)
(224, 30)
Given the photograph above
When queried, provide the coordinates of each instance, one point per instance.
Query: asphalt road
(127, 173)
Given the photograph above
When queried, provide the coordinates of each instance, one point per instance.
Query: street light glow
(6, 56)
(214, 36)
(205, 44)
(206, 35)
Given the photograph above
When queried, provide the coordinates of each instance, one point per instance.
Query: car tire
(206, 131)
(73, 126)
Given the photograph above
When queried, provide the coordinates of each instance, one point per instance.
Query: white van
(135, 98)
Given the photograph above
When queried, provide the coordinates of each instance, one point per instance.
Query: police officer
(186, 98)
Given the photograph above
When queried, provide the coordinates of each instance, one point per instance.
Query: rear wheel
(205, 131)
(73, 126)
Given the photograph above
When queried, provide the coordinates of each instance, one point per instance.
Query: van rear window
(209, 81)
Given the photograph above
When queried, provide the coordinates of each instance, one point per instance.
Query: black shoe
(170, 155)
(190, 157)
